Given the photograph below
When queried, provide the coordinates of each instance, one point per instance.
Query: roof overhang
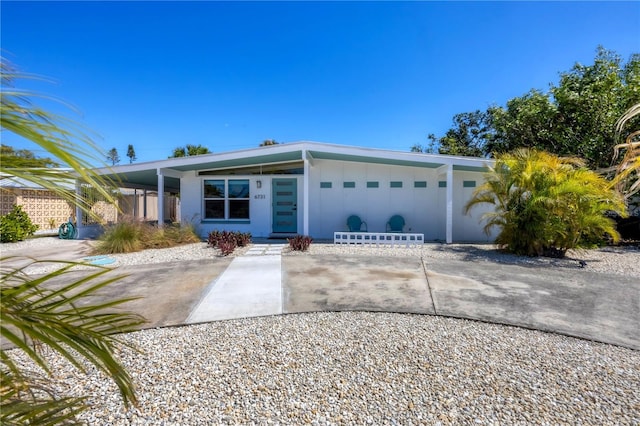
(145, 175)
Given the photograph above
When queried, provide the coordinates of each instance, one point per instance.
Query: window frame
(228, 199)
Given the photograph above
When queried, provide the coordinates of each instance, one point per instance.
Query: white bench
(378, 238)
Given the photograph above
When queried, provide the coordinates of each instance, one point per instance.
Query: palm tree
(545, 204)
(189, 150)
(627, 179)
(49, 311)
(67, 141)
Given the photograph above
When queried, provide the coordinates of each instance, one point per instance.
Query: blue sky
(228, 75)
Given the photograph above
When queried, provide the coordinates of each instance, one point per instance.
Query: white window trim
(226, 199)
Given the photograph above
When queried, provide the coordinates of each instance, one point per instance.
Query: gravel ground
(364, 368)
(368, 368)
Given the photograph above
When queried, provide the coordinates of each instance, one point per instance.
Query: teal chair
(395, 224)
(355, 224)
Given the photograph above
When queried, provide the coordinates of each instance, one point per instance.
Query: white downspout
(449, 213)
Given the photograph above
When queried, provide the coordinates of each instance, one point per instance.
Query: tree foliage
(189, 150)
(24, 158)
(430, 148)
(113, 156)
(526, 122)
(576, 117)
(545, 204)
(269, 142)
(131, 153)
(468, 135)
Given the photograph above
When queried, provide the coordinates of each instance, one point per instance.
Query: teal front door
(285, 205)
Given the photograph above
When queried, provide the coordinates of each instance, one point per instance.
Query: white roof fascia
(298, 146)
(399, 155)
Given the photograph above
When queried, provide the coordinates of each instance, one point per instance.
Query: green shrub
(300, 242)
(546, 205)
(127, 237)
(124, 237)
(16, 225)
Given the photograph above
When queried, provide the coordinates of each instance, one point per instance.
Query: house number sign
(259, 196)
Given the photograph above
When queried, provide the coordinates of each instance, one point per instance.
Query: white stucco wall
(467, 227)
(422, 208)
(192, 188)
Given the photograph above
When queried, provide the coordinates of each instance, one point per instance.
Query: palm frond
(64, 317)
(65, 139)
(627, 177)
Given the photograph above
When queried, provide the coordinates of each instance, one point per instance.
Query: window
(372, 184)
(348, 184)
(226, 199)
(420, 184)
(442, 184)
(469, 184)
(325, 185)
(395, 184)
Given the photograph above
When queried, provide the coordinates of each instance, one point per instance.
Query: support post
(305, 194)
(79, 212)
(160, 198)
(449, 214)
(144, 204)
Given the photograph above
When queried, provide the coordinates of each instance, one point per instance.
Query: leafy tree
(590, 99)
(431, 148)
(113, 156)
(577, 117)
(468, 135)
(47, 311)
(24, 158)
(131, 153)
(189, 150)
(527, 122)
(269, 142)
(545, 204)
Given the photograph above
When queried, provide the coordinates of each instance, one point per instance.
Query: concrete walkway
(251, 286)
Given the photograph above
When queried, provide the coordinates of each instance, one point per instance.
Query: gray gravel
(365, 368)
(369, 368)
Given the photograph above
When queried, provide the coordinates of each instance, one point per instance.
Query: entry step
(265, 249)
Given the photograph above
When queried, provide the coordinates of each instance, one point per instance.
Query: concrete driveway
(572, 301)
(575, 302)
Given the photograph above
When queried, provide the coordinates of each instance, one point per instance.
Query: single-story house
(312, 188)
